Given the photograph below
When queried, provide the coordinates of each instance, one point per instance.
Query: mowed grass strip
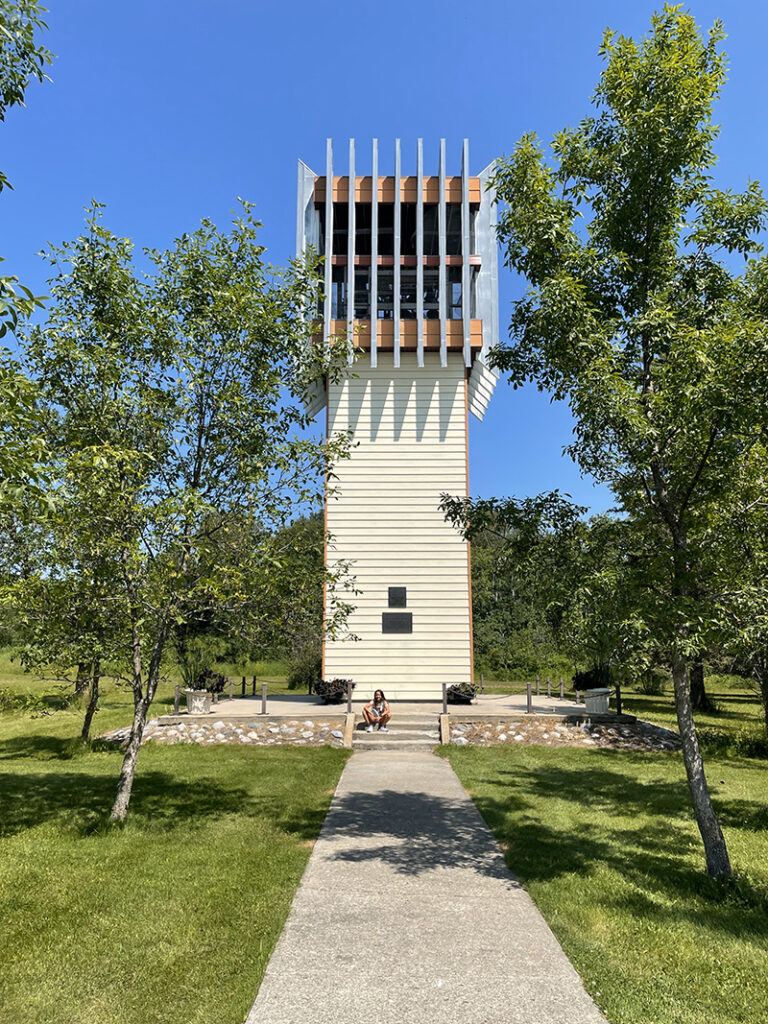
(606, 845)
(170, 920)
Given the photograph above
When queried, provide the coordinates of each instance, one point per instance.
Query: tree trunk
(699, 699)
(82, 678)
(760, 675)
(93, 700)
(715, 851)
(142, 699)
(119, 810)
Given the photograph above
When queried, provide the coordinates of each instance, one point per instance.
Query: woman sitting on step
(377, 712)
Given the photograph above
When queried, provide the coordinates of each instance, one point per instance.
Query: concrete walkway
(407, 914)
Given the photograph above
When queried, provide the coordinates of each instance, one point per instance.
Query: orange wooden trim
(454, 334)
(325, 535)
(469, 545)
(386, 189)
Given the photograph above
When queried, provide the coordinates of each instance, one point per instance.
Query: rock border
(544, 732)
(262, 733)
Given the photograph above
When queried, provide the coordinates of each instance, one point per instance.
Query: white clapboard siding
(409, 447)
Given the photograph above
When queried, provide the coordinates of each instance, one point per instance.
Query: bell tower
(411, 278)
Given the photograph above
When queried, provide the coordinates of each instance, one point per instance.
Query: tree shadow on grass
(39, 747)
(729, 707)
(641, 829)
(79, 801)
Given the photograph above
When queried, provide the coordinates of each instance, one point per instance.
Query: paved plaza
(485, 705)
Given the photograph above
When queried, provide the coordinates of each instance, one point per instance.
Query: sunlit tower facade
(411, 278)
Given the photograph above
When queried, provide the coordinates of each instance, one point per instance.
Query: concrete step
(368, 741)
(428, 733)
(409, 721)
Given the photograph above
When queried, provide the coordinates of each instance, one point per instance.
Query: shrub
(305, 671)
(652, 683)
(744, 742)
(593, 678)
(751, 743)
(715, 741)
(31, 703)
(332, 690)
(213, 682)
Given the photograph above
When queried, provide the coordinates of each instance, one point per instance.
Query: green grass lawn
(170, 920)
(45, 695)
(737, 705)
(606, 845)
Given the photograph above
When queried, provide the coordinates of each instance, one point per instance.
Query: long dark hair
(379, 690)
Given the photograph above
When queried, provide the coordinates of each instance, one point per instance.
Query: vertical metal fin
(300, 212)
(442, 278)
(396, 253)
(420, 252)
(375, 253)
(328, 254)
(351, 255)
(465, 254)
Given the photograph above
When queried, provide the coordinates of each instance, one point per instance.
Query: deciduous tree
(636, 316)
(179, 419)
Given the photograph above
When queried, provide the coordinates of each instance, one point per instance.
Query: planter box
(596, 702)
(198, 702)
(333, 691)
(461, 693)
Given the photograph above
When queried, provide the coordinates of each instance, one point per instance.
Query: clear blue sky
(167, 110)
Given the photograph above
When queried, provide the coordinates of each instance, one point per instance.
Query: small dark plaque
(397, 597)
(396, 622)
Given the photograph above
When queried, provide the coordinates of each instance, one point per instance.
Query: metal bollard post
(231, 689)
(529, 699)
(176, 699)
(578, 699)
(562, 689)
(243, 685)
(263, 698)
(482, 683)
(537, 686)
(349, 696)
(445, 698)
(618, 698)
(549, 687)
(253, 687)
